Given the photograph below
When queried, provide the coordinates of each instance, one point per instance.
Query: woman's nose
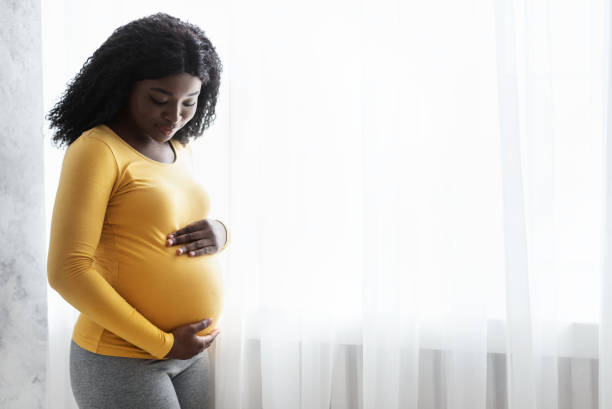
(173, 115)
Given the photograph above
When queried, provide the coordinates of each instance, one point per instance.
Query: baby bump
(173, 290)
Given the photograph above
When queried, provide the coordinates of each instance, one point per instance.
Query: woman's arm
(88, 175)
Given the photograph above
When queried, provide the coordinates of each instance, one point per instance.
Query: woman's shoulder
(93, 137)
(102, 138)
(91, 146)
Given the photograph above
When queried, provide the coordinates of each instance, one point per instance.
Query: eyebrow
(163, 91)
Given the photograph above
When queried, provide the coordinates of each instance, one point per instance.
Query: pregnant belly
(172, 290)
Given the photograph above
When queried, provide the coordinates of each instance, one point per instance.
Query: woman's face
(159, 108)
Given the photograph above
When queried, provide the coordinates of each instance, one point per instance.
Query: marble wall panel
(23, 311)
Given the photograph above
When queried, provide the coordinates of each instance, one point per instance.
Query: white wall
(23, 311)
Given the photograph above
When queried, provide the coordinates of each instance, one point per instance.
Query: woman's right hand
(187, 343)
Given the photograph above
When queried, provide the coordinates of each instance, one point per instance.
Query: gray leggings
(113, 382)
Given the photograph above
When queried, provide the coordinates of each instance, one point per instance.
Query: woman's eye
(158, 102)
(164, 102)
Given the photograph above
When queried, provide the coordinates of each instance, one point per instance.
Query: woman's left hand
(205, 236)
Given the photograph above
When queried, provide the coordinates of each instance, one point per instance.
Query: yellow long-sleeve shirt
(107, 255)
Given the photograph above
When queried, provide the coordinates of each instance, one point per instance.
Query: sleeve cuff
(168, 343)
(227, 235)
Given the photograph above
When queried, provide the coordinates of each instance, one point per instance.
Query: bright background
(398, 176)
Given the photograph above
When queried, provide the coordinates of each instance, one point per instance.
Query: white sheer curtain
(416, 192)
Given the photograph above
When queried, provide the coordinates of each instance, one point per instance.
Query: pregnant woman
(131, 246)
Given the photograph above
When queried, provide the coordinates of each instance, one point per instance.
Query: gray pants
(113, 382)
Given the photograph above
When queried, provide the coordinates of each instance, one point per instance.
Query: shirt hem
(96, 348)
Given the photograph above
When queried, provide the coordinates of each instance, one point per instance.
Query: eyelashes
(156, 102)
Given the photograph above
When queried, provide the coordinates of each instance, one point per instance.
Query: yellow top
(107, 255)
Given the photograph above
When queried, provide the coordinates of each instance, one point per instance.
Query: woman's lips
(165, 130)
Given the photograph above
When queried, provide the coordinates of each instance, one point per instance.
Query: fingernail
(192, 253)
(171, 235)
(169, 242)
(179, 251)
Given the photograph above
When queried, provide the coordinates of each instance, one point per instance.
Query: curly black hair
(151, 47)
